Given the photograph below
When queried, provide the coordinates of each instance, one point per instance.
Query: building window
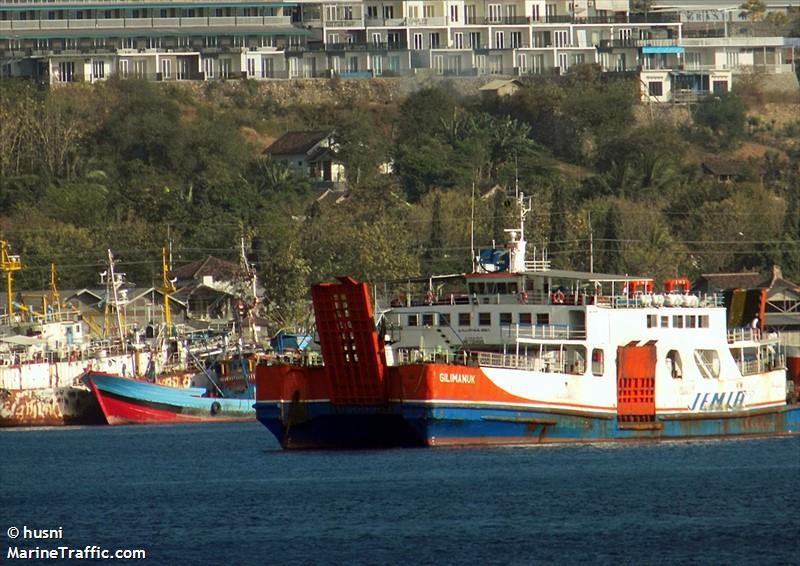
(251, 67)
(66, 72)
(129, 43)
(412, 320)
(475, 39)
(484, 319)
(166, 69)
(453, 13)
(418, 43)
(123, 68)
(464, 319)
(427, 11)
(98, 70)
(655, 88)
(372, 12)
(211, 41)
(433, 40)
(208, 68)
(597, 361)
(516, 39)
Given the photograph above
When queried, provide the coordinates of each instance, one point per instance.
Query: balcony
(343, 23)
(146, 23)
(368, 47)
(636, 43)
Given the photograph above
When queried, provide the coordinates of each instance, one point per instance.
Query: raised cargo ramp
(354, 358)
(636, 383)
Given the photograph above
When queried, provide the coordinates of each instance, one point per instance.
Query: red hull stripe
(121, 411)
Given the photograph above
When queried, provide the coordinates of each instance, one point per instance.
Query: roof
(746, 280)
(294, 143)
(499, 83)
(218, 268)
(722, 167)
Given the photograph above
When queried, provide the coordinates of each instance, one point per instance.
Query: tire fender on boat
(215, 407)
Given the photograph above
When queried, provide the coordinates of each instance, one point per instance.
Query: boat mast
(167, 287)
(113, 284)
(472, 228)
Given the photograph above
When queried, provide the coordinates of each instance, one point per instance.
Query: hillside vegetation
(129, 165)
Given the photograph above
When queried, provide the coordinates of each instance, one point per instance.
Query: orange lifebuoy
(558, 297)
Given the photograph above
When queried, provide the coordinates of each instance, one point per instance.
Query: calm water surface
(227, 494)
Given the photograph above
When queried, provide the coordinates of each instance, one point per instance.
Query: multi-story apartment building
(171, 40)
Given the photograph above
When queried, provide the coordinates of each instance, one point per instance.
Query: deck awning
(662, 49)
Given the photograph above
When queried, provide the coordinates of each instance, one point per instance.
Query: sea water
(227, 494)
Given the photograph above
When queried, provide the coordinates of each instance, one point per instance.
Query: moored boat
(131, 401)
(525, 354)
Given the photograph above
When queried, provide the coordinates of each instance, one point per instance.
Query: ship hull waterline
(406, 425)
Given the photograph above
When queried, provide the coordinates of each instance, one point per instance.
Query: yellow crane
(9, 264)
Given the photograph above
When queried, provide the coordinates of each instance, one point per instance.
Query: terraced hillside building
(93, 40)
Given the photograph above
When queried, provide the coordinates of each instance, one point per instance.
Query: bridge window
(597, 361)
(412, 320)
(652, 320)
(664, 322)
(484, 319)
(505, 318)
(674, 365)
(465, 319)
(702, 321)
(542, 318)
(708, 363)
(677, 321)
(444, 319)
(427, 319)
(525, 318)
(691, 321)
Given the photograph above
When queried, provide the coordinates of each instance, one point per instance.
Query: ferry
(518, 353)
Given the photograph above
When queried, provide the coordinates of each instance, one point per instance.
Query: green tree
(754, 10)
(724, 117)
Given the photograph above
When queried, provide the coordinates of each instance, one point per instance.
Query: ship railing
(762, 365)
(749, 334)
(524, 332)
(545, 364)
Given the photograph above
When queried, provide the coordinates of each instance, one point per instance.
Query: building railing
(636, 43)
(361, 46)
(144, 23)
